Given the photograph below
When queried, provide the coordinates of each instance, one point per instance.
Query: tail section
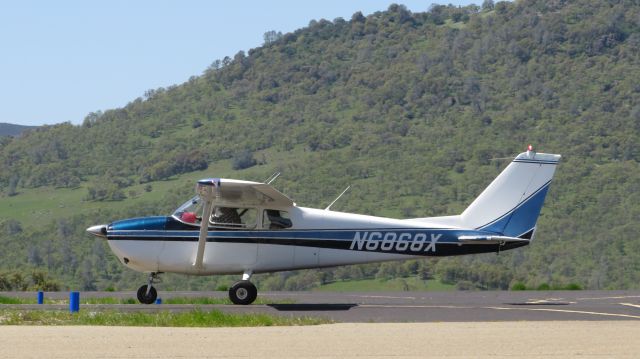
(510, 206)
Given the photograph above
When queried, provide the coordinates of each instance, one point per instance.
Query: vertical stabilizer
(511, 204)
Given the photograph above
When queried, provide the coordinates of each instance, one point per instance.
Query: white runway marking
(414, 306)
(569, 311)
(631, 305)
(548, 301)
(504, 308)
(382, 296)
(618, 297)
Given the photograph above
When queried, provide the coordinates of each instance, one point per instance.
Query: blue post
(159, 301)
(40, 297)
(74, 302)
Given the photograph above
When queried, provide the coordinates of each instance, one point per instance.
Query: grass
(12, 300)
(113, 300)
(107, 300)
(391, 285)
(196, 318)
(454, 25)
(32, 300)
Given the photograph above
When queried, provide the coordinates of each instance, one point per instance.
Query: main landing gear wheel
(243, 292)
(147, 296)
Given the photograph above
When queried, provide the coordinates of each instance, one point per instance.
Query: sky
(60, 60)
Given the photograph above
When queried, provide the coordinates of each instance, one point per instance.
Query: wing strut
(208, 190)
(204, 231)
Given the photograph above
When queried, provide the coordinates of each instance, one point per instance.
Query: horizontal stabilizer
(491, 239)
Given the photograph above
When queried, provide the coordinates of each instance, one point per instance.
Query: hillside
(411, 109)
(8, 129)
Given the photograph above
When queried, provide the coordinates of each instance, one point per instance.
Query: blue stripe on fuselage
(446, 235)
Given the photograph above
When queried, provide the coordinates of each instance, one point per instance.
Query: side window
(233, 218)
(274, 219)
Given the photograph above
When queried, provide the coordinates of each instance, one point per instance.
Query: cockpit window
(221, 217)
(233, 218)
(275, 219)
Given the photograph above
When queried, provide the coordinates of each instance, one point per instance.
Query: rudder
(511, 204)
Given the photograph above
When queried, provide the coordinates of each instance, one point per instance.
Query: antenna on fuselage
(337, 198)
(272, 177)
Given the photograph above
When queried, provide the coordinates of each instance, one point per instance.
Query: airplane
(253, 228)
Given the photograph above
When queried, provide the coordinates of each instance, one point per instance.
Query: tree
(243, 159)
(34, 256)
(13, 184)
(87, 276)
(271, 36)
(358, 17)
(11, 227)
(215, 65)
(487, 5)
(91, 119)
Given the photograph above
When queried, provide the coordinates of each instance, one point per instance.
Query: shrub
(465, 285)
(243, 159)
(518, 286)
(544, 286)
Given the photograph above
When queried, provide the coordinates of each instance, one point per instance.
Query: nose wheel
(243, 292)
(147, 294)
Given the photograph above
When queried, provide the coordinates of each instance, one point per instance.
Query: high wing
(236, 193)
(222, 192)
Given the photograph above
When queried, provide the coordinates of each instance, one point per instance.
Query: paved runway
(402, 306)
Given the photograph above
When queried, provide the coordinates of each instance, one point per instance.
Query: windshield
(192, 206)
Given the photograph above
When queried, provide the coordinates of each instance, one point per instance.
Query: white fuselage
(178, 256)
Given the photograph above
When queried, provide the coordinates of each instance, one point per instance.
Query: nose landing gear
(243, 292)
(147, 294)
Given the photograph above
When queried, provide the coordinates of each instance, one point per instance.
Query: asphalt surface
(396, 306)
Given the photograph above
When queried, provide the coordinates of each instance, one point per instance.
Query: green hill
(8, 129)
(411, 109)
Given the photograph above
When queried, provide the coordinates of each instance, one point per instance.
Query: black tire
(145, 298)
(243, 292)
